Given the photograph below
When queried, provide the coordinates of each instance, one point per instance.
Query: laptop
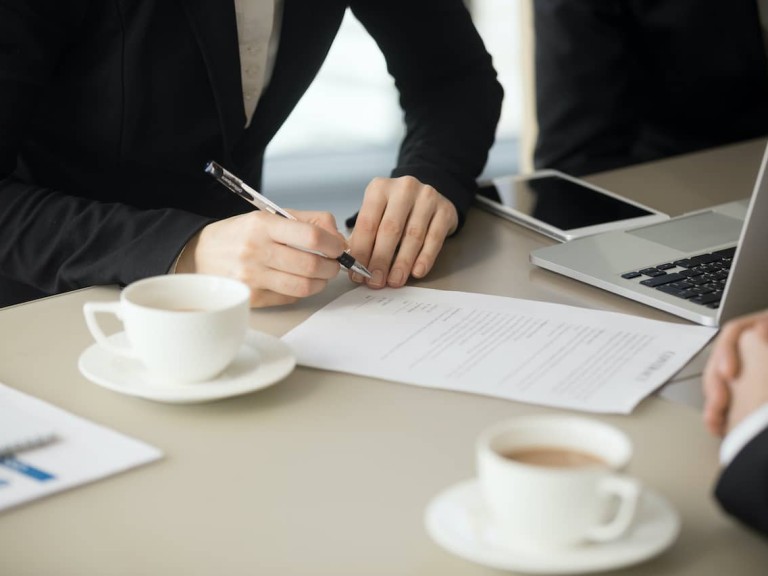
(706, 266)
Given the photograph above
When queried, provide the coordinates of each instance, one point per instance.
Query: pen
(9, 451)
(234, 184)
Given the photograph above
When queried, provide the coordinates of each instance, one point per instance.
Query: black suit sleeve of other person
(109, 111)
(743, 486)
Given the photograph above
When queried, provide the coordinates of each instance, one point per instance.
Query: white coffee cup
(554, 481)
(182, 327)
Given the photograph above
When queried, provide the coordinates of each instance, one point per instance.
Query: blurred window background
(347, 127)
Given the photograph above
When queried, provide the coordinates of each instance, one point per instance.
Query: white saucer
(261, 361)
(457, 520)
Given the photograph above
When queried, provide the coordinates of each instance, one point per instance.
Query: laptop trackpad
(693, 233)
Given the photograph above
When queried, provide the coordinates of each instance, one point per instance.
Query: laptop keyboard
(699, 279)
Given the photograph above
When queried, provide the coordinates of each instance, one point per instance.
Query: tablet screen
(559, 202)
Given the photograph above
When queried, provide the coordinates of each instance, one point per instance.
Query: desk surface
(329, 473)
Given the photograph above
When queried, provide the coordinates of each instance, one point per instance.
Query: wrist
(185, 262)
(741, 434)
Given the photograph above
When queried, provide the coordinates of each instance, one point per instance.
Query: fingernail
(356, 277)
(377, 278)
(396, 277)
(419, 270)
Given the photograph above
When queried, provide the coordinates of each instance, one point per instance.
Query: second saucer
(458, 521)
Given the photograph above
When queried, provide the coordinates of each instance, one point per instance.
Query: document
(21, 431)
(82, 452)
(523, 350)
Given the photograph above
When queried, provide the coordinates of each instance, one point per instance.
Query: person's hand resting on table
(400, 230)
(725, 366)
(736, 391)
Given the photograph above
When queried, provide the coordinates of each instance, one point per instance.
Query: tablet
(561, 206)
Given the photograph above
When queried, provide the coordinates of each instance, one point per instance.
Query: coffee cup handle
(90, 309)
(627, 491)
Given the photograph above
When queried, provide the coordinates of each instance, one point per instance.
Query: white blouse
(258, 32)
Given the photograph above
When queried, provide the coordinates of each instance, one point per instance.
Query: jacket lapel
(213, 23)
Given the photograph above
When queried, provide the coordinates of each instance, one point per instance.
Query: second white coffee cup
(554, 481)
(183, 328)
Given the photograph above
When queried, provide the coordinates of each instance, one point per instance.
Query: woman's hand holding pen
(260, 249)
(400, 230)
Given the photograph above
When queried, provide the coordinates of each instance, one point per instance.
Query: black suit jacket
(110, 109)
(743, 486)
(626, 81)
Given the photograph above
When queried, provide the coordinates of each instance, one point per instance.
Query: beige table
(329, 473)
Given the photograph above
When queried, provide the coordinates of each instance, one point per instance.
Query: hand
(750, 390)
(723, 367)
(261, 249)
(400, 230)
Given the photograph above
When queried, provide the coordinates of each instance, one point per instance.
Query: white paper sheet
(522, 350)
(19, 430)
(82, 452)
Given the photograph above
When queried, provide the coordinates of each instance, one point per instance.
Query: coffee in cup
(554, 457)
(555, 481)
(182, 327)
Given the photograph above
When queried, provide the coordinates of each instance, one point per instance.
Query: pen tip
(362, 270)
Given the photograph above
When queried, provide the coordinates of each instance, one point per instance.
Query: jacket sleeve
(619, 83)
(448, 90)
(52, 239)
(742, 489)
